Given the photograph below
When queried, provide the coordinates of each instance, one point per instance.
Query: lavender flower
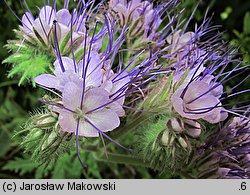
(104, 118)
(200, 100)
(199, 75)
(98, 91)
(71, 27)
(94, 75)
(142, 18)
(43, 24)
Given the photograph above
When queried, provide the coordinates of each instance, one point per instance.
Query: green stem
(131, 126)
(8, 83)
(122, 159)
(89, 148)
(114, 158)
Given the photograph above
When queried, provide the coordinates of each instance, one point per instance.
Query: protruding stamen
(58, 54)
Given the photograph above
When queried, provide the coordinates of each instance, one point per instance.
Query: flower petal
(115, 106)
(68, 65)
(63, 16)
(215, 116)
(47, 80)
(27, 21)
(47, 13)
(95, 98)
(71, 96)
(120, 81)
(105, 119)
(194, 90)
(205, 107)
(67, 121)
(42, 28)
(94, 73)
(87, 130)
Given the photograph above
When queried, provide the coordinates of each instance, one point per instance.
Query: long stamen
(58, 54)
(71, 43)
(85, 167)
(16, 15)
(56, 105)
(25, 12)
(48, 89)
(52, 10)
(66, 4)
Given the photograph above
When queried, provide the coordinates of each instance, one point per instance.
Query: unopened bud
(176, 125)
(182, 142)
(167, 139)
(34, 135)
(44, 121)
(50, 140)
(192, 128)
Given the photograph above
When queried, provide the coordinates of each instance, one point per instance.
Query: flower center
(79, 114)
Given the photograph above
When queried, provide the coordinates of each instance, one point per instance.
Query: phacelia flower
(43, 24)
(96, 88)
(200, 100)
(70, 83)
(71, 27)
(104, 119)
(199, 81)
(142, 18)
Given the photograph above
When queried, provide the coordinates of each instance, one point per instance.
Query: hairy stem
(122, 159)
(130, 126)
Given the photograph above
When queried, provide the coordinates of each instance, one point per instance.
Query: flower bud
(192, 128)
(34, 134)
(44, 121)
(167, 139)
(183, 143)
(51, 139)
(176, 125)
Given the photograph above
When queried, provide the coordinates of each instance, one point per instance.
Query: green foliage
(27, 62)
(224, 15)
(66, 166)
(160, 147)
(5, 142)
(11, 116)
(246, 24)
(243, 39)
(21, 166)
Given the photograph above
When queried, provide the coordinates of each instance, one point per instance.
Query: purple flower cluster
(141, 17)
(226, 152)
(199, 75)
(96, 70)
(70, 27)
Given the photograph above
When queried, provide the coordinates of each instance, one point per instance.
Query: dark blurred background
(17, 101)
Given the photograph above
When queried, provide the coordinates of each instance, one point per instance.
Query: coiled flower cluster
(130, 71)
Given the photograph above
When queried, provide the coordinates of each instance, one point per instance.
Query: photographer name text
(70, 186)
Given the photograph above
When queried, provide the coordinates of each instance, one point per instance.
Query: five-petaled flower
(199, 99)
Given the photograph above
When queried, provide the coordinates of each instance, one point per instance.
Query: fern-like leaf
(21, 166)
